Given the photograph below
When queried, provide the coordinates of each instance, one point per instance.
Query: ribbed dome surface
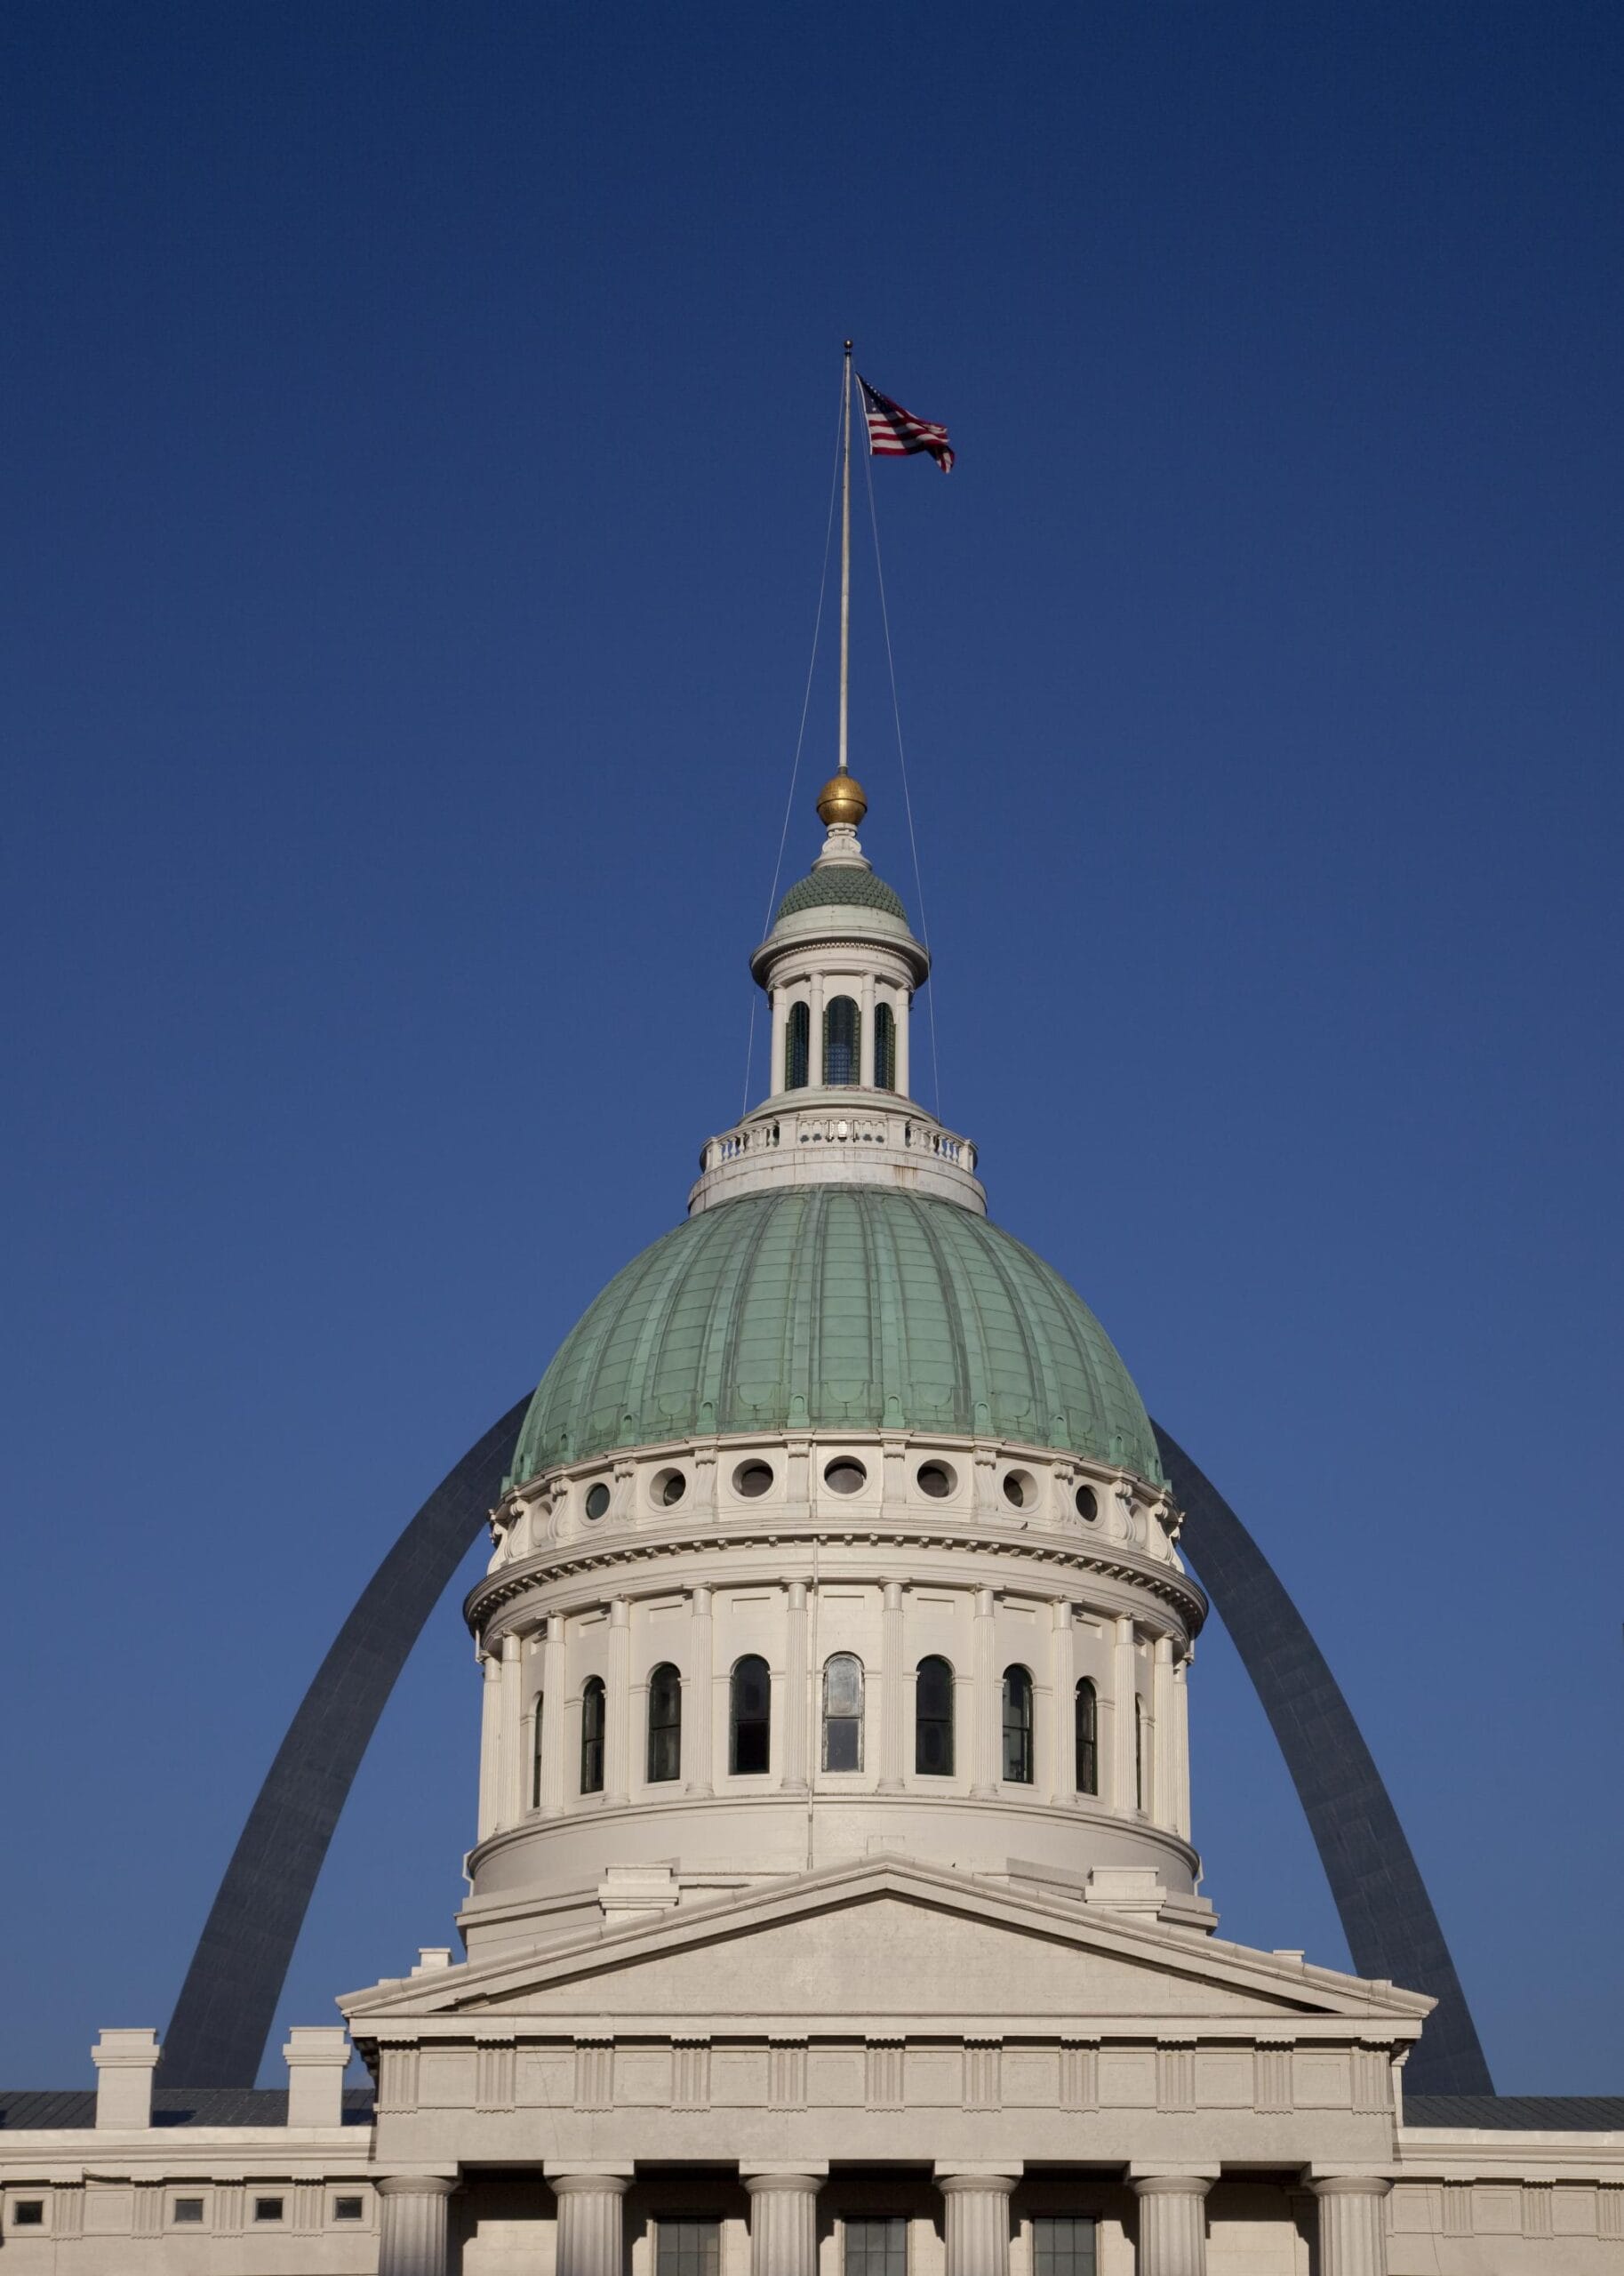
(839, 1305)
(843, 885)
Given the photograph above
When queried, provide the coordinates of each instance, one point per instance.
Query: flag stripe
(894, 433)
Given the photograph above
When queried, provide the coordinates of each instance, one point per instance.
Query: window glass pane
(885, 1048)
(840, 1033)
(1063, 2246)
(688, 2249)
(876, 2247)
(538, 1719)
(933, 1719)
(752, 1710)
(1088, 1738)
(797, 1047)
(1017, 1726)
(843, 1685)
(843, 1742)
(592, 1737)
(665, 1724)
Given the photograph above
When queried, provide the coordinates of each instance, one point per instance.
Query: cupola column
(783, 2220)
(1062, 1744)
(699, 1720)
(617, 1702)
(411, 2223)
(780, 1020)
(1353, 2234)
(1164, 1777)
(978, 2220)
(902, 1007)
(797, 1694)
(1172, 2224)
(892, 1691)
(1125, 1790)
(865, 1051)
(490, 1742)
(1181, 1748)
(986, 1698)
(555, 1687)
(510, 1804)
(814, 1053)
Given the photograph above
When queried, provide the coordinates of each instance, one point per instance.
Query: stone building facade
(834, 1910)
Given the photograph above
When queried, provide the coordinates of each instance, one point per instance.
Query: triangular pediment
(891, 1940)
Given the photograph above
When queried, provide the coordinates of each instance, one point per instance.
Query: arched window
(1140, 1735)
(885, 1048)
(797, 1047)
(1088, 1737)
(841, 1028)
(750, 1720)
(535, 1751)
(933, 1719)
(665, 1724)
(592, 1736)
(1018, 1726)
(842, 1712)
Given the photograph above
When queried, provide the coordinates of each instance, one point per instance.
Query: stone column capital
(417, 2184)
(767, 2180)
(608, 2181)
(1172, 2184)
(958, 2180)
(1351, 2184)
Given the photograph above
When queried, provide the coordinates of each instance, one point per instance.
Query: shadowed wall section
(1382, 1900)
(228, 2004)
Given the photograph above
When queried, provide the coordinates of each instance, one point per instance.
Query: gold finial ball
(842, 800)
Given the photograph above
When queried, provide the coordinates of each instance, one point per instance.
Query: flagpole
(846, 557)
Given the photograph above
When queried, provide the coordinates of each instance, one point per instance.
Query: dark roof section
(31, 2112)
(842, 886)
(1519, 2113)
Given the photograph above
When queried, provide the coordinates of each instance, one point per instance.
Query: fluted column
(1181, 1749)
(781, 1018)
(978, 2221)
(814, 1054)
(1063, 1678)
(900, 1005)
(1353, 2232)
(699, 1716)
(797, 1696)
(1124, 1785)
(490, 1744)
(555, 1690)
(411, 2224)
(1162, 1792)
(893, 1690)
(590, 2222)
(783, 2223)
(986, 1702)
(864, 1041)
(510, 1790)
(617, 1688)
(1172, 2224)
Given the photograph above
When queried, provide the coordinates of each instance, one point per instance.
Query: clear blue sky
(417, 429)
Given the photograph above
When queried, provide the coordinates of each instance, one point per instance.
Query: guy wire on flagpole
(907, 803)
(812, 665)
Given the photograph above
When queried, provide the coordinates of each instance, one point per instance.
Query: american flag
(894, 433)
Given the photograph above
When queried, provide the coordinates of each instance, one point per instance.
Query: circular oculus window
(936, 1479)
(845, 1475)
(597, 1500)
(668, 1489)
(752, 1479)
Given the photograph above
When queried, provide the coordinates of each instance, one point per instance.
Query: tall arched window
(592, 1736)
(797, 1047)
(885, 1048)
(1140, 1780)
(537, 1706)
(1018, 1726)
(1088, 1737)
(665, 1724)
(933, 1719)
(842, 1030)
(842, 1712)
(750, 1720)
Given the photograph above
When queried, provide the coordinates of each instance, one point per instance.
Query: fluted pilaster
(617, 1734)
(986, 1708)
(411, 2224)
(490, 1744)
(509, 1784)
(978, 2222)
(1063, 1704)
(798, 1692)
(1353, 2232)
(590, 2222)
(700, 1708)
(1172, 2224)
(892, 1689)
(783, 2223)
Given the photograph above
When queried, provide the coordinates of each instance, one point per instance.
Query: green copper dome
(815, 1308)
(843, 885)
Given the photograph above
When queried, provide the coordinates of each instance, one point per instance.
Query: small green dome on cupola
(843, 885)
(839, 1307)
